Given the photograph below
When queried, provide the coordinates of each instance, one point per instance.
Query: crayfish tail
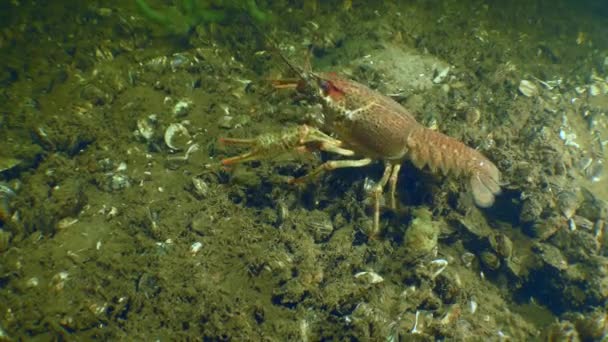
(450, 156)
(485, 186)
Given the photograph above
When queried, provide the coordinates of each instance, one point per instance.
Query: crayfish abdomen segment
(448, 155)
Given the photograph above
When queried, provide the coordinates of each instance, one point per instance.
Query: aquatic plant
(422, 235)
(186, 14)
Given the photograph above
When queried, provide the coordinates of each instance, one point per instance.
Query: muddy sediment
(118, 221)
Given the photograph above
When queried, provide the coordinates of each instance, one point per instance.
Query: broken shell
(369, 277)
(228, 121)
(473, 306)
(594, 90)
(195, 248)
(191, 149)
(156, 63)
(182, 107)
(441, 75)
(582, 222)
(528, 88)
(119, 182)
(595, 170)
(32, 282)
(177, 136)
(225, 121)
(502, 245)
(66, 222)
(437, 266)
(145, 127)
(580, 90)
(467, 259)
(200, 188)
(58, 280)
(98, 309)
(179, 60)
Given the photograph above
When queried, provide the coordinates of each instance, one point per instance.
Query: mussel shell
(490, 260)
(568, 202)
(177, 136)
(592, 207)
(502, 245)
(528, 88)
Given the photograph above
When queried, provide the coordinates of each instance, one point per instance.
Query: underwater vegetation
(186, 14)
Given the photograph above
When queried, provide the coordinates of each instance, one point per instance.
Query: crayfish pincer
(371, 126)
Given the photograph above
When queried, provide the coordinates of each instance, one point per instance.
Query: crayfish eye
(325, 86)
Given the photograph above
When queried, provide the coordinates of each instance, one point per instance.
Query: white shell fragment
(594, 90)
(527, 88)
(200, 187)
(191, 149)
(473, 306)
(580, 90)
(66, 222)
(569, 138)
(551, 84)
(437, 266)
(59, 280)
(182, 107)
(176, 136)
(121, 167)
(195, 248)
(415, 328)
(370, 277)
(441, 75)
(32, 282)
(62, 275)
(145, 128)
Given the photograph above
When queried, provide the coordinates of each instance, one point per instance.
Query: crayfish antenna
(235, 141)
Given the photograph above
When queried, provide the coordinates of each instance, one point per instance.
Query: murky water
(121, 216)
